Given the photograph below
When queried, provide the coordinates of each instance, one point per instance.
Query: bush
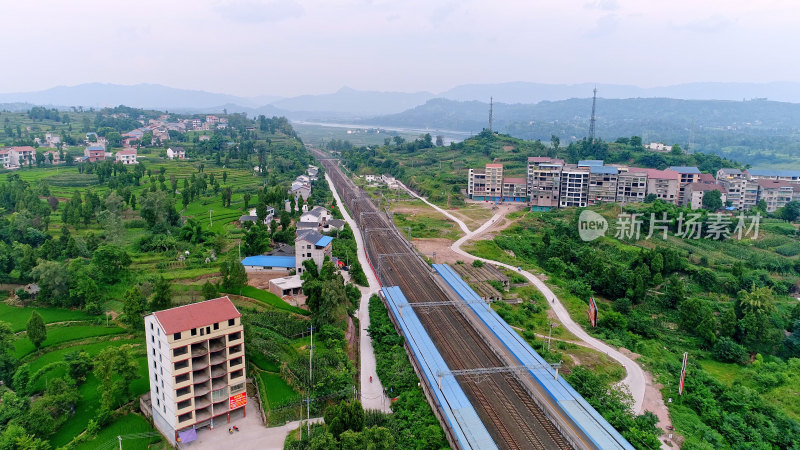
(726, 350)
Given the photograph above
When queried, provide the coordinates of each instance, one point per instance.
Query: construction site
(487, 386)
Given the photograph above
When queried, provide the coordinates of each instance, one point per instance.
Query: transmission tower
(591, 123)
(491, 113)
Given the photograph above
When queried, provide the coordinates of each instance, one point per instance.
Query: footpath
(372, 393)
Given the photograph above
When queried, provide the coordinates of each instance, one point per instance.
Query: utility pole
(210, 223)
(491, 113)
(120, 442)
(591, 123)
(549, 333)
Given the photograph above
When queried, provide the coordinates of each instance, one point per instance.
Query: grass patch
(18, 316)
(58, 334)
(271, 299)
(125, 425)
(724, 372)
(276, 391)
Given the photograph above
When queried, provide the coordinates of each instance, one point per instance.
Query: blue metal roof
(604, 169)
(324, 241)
(269, 261)
(461, 416)
(590, 162)
(572, 404)
(685, 169)
(774, 173)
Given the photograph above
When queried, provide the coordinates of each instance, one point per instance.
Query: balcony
(201, 389)
(202, 402)
(183, 418)
(218, 371)
(202, 415)
(200, 377)
(199, 363)
(180, 351)
(218, 357)
(219, 383)
(199, 349)
(183, 392)
(221, 407)
(217, 344)
(218, 395)
(234, 349)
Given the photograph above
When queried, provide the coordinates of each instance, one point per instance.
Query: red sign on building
(238, 400)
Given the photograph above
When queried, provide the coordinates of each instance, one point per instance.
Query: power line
(491, 113)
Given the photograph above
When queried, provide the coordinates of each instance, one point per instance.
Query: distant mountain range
(348, 103)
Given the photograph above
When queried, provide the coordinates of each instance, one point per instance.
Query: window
(237, 374)
(152, 338)
(194, 331)
(157, 391)
(234, 336)
(208, 330)
(185, 417)
(182, 391)
(159, 357)
(176, 336)
(185, 404)
(236, 362)
(180, 351)
(231, 322)
(216, 326)
(154, 365)
(182, 364)
(158, 331)
(158, 402)
(181, 378)
(202, 331)
(237, 387)
(156, 377)
(151, 325)
(154, 351)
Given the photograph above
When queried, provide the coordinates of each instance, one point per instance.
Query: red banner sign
(238, 400)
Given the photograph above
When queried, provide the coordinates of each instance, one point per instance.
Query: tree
(192, 232)
(674, 292)
(53, 280)
(7, 360)
(712, 200)
(79, 364)
(210, 290)
(234, 277)
(134, 305)
(162, 295)
(379, 438)
(246, 197)
(37, 332)
(344, 416)
(790, 212)
(158, 210)
(115, 367)
(110, 263)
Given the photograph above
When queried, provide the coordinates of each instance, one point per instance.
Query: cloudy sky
(291, 47)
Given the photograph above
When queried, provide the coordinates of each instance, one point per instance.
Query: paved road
(372, 396)
(634, 379)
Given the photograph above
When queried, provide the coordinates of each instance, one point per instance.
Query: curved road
(634, 380)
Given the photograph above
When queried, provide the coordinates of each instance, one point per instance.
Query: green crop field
(125, 426)
(277, 392)
(18, 317)
(60, 334)
(270, 299)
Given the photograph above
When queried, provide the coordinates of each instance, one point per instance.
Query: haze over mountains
(348, 103)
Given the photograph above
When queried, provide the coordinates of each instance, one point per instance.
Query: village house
(126, 156)
(176, 153)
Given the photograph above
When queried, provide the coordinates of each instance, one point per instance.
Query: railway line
(502, 401)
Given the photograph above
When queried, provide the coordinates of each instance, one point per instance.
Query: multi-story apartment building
(664, 184)
(602, 184)
(791, 176)
(749, 197)
(734, 182)
(486, 185)
(688, 175)
(574, 189)
(631, 186)
(776, 194)
(515, 189)
(21, 156)
(195, 357)
(696, 191)
(544, 182)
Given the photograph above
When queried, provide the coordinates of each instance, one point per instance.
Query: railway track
(506, 408)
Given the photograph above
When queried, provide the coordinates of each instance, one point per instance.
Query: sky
(293, 47)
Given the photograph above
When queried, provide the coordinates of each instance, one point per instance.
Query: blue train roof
(269, 261)
(467, 427)
(570, 401)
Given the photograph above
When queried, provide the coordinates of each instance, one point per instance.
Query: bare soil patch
(442, 248)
